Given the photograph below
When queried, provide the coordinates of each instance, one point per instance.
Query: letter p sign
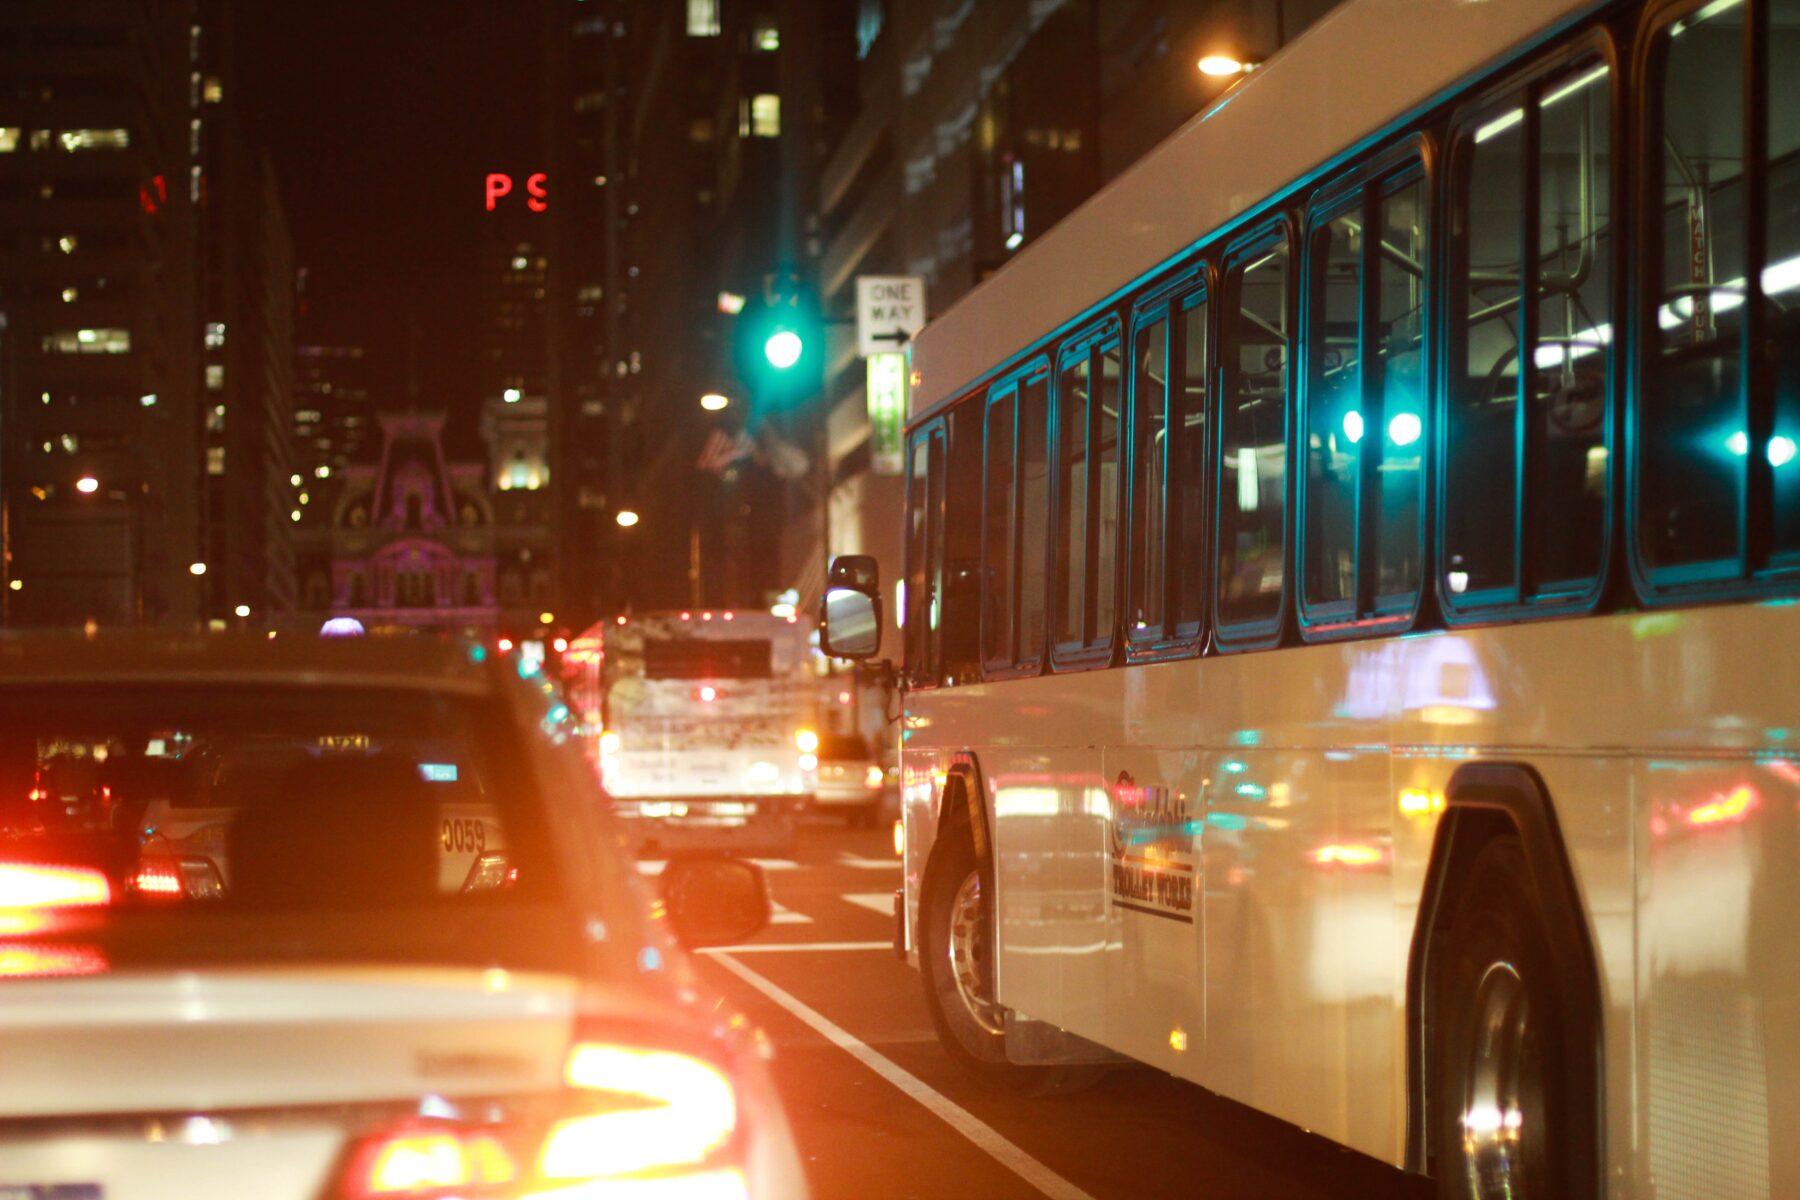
(497, 186)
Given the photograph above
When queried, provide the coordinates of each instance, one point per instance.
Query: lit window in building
(195, 183)
(193, 43)
(766, 35)
(70, 443)
(588, 26)
(761, 117)
(215, 420)
(194, 136)
(590, 293)
(590, 101)
(88, 341)
(67, 243)
(700, 130)
(521, 263)
(9, 138)
(1012, 203)
(215, 334)
(703, 18)
(214, 90)
(71, 295)
(40, 139)
(94, 139)
(215, 460)
(215, 377)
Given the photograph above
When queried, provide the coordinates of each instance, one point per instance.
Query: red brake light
(164, 877)
(654, 1120)
(30, 885)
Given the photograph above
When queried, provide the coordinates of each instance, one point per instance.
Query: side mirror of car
(850, 616)
(714, 901)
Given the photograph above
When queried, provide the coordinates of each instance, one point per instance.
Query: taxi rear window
(191, 798)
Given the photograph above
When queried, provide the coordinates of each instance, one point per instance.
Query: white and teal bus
(1372, 689)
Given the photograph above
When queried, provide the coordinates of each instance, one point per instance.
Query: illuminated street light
(242, 610)
(547, 618)
(196, 568)
(626, 518)
(714, 402)
(1222, 65)
(87, 485)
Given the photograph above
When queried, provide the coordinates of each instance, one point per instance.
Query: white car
(338, 920)
(850, 780)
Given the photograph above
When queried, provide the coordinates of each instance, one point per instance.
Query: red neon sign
(537, 190)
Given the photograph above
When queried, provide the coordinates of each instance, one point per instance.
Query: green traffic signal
(783, 349)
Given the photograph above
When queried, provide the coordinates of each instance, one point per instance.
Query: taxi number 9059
(461, 834)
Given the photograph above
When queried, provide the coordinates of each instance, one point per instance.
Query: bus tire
(955, 939)
(1497, 1112)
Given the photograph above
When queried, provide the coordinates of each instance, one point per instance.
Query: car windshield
(843, 746)
(375, 821)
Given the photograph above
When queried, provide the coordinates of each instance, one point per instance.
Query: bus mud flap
(1041, 1044)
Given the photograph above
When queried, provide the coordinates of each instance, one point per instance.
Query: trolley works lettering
(1152, 850)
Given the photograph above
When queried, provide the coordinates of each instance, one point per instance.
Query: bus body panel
(1303, 788)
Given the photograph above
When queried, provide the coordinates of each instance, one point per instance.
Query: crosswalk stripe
(862, 863)
(783, 915)
(654, 866)
(875, 902)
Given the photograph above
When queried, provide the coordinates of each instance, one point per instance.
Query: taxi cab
(337, 920)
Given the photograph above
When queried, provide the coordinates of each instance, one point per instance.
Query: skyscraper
(101, 469)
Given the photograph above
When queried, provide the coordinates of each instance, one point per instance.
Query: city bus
(702, 726)
(1372, 688)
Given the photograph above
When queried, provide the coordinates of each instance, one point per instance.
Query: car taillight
(166, 877)
(34, 885)
(638, 1122)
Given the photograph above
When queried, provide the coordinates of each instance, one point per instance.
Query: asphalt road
(880, 1113)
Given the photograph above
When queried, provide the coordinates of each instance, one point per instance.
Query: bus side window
(1253, 437)
(959, 626)
(1071, 499)
(918, 603)
(1365, 404)
(1189, 473)
(1719, 428)
(998, 532)
(1108, 483)
(1034, 517)
(1533, 327)
(1149, 461)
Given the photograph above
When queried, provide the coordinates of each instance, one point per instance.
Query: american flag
(724, 451)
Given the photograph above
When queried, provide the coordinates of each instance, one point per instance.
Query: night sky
(383, 117)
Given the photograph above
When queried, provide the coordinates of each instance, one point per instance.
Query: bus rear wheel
(1497, 1111)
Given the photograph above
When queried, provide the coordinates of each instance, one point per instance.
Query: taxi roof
(222, 658)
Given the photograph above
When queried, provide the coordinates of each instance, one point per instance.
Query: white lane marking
(862, 863)
(985, 1136)
(875, 902)
(794, 947)
(783, 915)
(654, 866)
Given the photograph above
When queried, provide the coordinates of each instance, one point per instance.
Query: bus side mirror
(850, 616)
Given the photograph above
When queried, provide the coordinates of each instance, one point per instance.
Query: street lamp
(1222, 65)
(198, 568)
(87, 485)
(242, 610)
(626, 518)
(714, 402)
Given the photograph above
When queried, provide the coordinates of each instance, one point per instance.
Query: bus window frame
(1169, 302)
(1362, 188)
(1095, 650)
(1523, 88)
(1259, 238)
(1755, 569)
(1020, 664)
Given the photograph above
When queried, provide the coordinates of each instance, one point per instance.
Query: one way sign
(889, 310)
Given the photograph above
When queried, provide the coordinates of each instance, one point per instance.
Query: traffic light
(780, 343)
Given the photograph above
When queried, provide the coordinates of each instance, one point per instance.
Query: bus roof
(1363, 67)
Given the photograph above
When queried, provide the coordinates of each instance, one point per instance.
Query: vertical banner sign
(887, 411)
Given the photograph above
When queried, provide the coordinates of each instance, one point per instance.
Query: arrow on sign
(898, 336)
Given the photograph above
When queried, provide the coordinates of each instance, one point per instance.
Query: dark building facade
(98, 361)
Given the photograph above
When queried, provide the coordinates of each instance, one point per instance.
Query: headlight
(806, 740)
